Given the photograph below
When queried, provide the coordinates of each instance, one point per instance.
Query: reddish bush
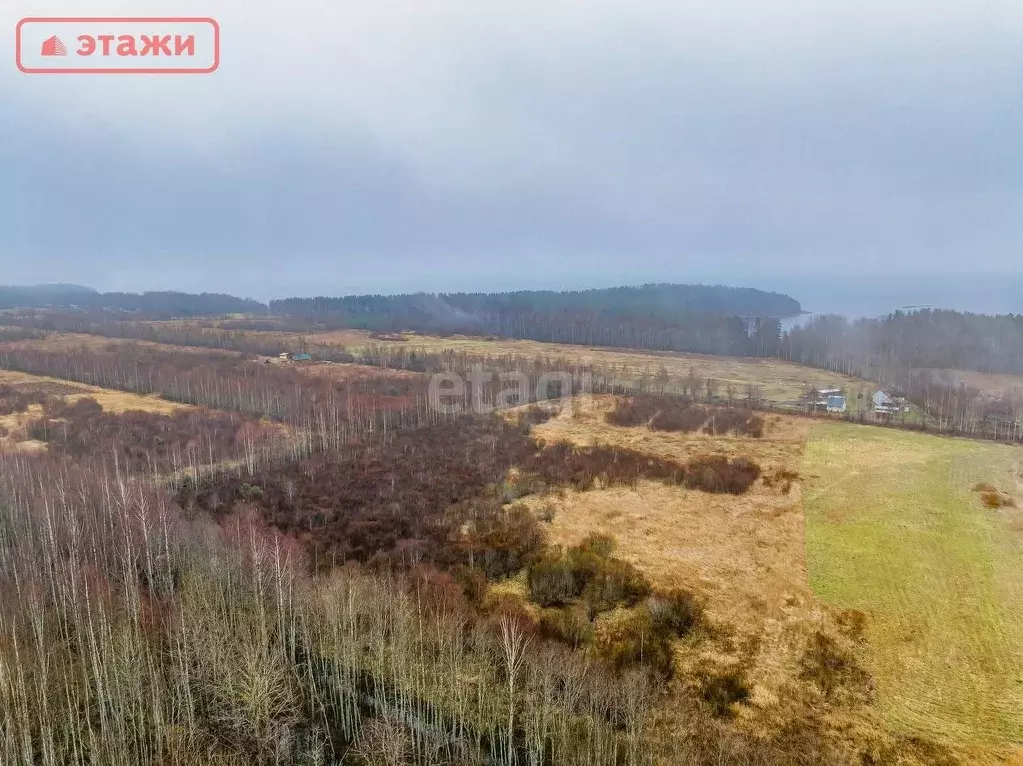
(634, 411)
(714, 473)
(438, 485)
(143, 441)
(680, 415)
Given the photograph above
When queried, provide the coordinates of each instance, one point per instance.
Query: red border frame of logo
(140, 70)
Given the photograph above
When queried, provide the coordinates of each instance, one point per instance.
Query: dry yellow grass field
(777, 380)
(70, 341)
(341, 371)
(744, 556)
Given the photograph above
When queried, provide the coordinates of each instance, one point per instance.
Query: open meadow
(778, 382)
(877, 539)
(899, 526)
(775, 382)
(743, 555)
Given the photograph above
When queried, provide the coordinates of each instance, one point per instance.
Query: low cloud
(393, 144)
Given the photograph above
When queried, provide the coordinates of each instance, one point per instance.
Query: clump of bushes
(504, 542)
(587, 571)
(783, 478)
(715, 473)
(592, 598)
(568, 624)
(551, 580)
(723, 691)
(627, 638)
(684, 419)
(991, 497)
(675, 611)
(584, 468)
(535, 415)
(634, 411)
(14, 399)
(725, 420)
(829, 666)
(672, 414)
(614, 583)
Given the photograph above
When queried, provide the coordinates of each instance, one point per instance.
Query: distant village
(882, 406)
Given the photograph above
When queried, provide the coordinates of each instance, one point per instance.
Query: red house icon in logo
(52, 46)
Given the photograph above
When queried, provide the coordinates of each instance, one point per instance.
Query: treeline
(671, 303)
(694, 318)
(152, 305)
(902, 342)
(916, 355)
(323, 411)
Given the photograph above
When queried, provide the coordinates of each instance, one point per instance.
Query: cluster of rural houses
(882, 405)
(287, 356)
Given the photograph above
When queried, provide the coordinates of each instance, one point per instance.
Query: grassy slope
(893, 529)
(779, 382)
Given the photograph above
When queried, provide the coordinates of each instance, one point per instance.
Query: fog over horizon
(860, 157)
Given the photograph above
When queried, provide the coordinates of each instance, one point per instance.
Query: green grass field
(894, 529)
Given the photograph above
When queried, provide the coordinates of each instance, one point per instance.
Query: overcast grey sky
(388, 146)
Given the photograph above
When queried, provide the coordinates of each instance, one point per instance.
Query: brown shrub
(633, 411)
(783, 478)
(551, 580)
(686, 419)
(598, 544)
(663, 413)
(569, 624)
(829, 666)
(614, 583)
(583, 468)
(535, 414)
(853, 623)
(997, 500)
(723, 691)
(508, 540)
(675, 611)
(631, 638)
(14, 399)
(474, 585)
(715, 473)
(725, 420)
